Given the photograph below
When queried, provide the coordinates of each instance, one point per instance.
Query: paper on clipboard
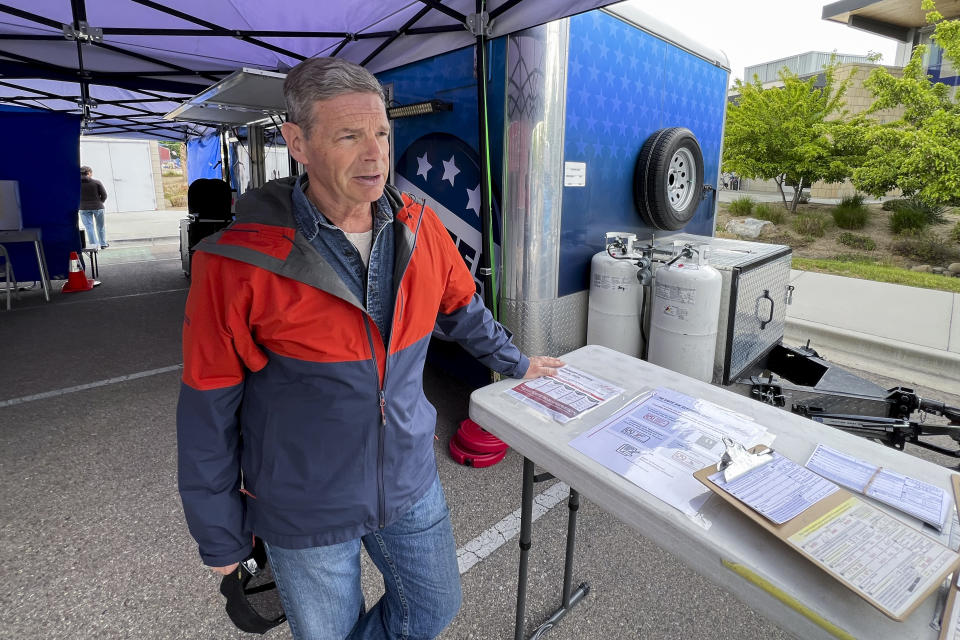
(922, 500)
(779, 490)
(882, 559)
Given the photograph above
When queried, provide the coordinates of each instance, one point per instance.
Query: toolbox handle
(764, 323)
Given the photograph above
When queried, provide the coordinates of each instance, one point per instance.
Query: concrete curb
(155, 240)
(910, 364)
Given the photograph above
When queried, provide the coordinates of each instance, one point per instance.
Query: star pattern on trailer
(423, 166)
(450, 170)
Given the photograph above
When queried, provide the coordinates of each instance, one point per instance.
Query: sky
(755, 31)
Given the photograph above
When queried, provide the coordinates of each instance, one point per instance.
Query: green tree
(795, 134)
(920, 152)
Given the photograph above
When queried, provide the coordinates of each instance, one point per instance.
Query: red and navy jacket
(296, 421)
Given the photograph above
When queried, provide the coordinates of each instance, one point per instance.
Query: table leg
(570, 598)
(42, 264)
(526, 522)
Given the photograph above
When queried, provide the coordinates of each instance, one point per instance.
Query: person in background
(92, 197)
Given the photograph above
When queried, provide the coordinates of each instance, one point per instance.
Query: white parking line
(89, 385)
(496, 536)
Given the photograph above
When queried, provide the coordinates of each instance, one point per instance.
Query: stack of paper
(924, 501)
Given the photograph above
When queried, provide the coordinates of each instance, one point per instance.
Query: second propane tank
(616, 297)
(684, 314)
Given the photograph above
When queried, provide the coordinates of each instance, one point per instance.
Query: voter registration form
(889, 562)
(922, 500)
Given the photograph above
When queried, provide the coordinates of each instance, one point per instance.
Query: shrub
(926, 248)
(904, 219)
(178, 201)
(767, 211)
(932, 213)
(742, 206)
(891, 205)
(810, 224)
(955, 232)
(850, 213)
(857, 241)
(852, 202)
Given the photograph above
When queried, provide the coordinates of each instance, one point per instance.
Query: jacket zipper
(381, 395)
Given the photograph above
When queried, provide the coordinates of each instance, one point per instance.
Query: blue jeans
(87, 216)
(320, 586)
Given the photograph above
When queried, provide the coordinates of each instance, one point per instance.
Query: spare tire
(668, 179)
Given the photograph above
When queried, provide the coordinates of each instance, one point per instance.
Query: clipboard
(831, 509)
(948, 630)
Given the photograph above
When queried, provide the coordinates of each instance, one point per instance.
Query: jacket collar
(309, 218)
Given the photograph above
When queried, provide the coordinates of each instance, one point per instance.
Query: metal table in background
(31, 234)
(733, 553)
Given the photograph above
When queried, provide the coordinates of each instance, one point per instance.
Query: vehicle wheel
(668, 178)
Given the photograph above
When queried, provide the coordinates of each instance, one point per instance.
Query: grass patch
(810, 224)
(770, 212)
(741, 206)
(850, 213)
(870, 270)
(856, 241)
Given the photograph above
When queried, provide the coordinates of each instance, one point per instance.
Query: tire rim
(680, 179)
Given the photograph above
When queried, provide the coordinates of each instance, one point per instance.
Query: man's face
(347, 153)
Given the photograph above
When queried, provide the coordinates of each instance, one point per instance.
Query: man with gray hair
(302, 417)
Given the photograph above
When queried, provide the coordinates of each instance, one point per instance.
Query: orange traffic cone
(77, 280)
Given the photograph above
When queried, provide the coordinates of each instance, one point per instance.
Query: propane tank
(616, 298)
(684, 315)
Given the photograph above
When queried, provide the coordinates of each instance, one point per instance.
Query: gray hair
(318, 79)
(85, 171)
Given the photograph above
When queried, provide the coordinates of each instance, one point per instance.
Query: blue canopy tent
(120, 65)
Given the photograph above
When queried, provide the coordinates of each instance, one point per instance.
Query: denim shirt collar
(309, 218)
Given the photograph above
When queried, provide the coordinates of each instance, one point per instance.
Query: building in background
(905, 22)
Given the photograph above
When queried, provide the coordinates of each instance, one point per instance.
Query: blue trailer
(571, 105)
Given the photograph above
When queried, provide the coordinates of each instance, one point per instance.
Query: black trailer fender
(668, 178)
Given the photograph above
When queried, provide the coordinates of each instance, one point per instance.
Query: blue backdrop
(203, 158)
(43, 154)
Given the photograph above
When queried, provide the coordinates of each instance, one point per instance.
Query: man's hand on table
(543, 366)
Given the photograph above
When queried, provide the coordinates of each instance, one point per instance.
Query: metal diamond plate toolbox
(759, 295)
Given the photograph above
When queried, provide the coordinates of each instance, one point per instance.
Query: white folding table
(734, 552)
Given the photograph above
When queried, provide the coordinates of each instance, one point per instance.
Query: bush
(767, 211)
(905, 219)
(857, 241)
(851, 202)
(810, 224)
(742, 206)
(932, 213)
(955, 232)
(178, 201)
(926, 248)
(850, 213)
